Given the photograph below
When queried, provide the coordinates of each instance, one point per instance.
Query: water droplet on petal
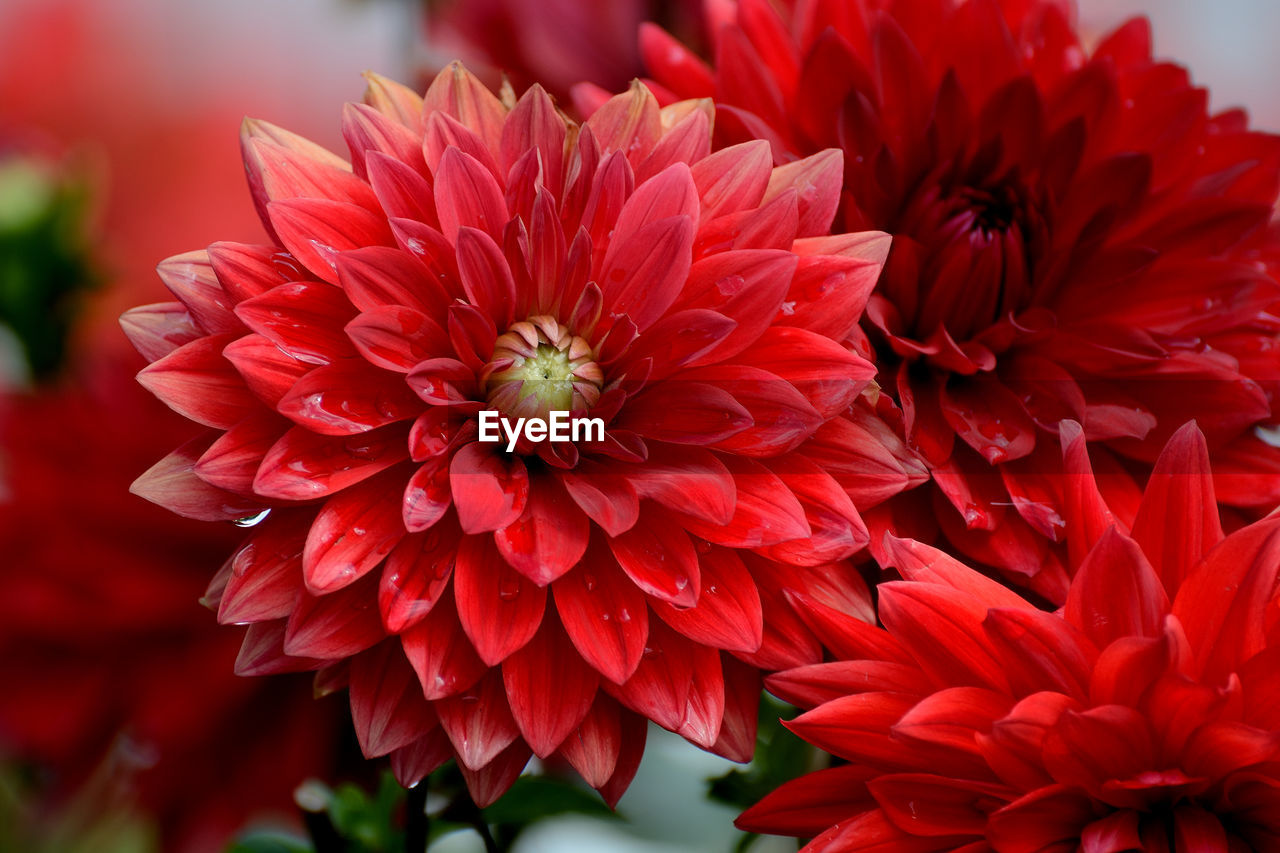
(508, 589)
(252, 520)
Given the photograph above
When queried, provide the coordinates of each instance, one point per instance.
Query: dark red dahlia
(1143, 716)
(678, 312)
(103, 654)
(1074, 237)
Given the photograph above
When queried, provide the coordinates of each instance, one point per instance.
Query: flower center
(539, 366)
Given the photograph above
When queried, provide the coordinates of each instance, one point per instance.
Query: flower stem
(417, 830)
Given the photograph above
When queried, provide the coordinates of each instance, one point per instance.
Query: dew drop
(589, 581)
(624, 615)
(252, 520)
(508, 590)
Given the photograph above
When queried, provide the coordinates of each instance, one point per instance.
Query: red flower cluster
(1141, 717)
(103, 654)
(478, 258)
(1074, 237)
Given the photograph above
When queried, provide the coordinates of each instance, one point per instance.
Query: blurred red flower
(481, 256)
(1141, 717)
(103, 651)
(1074, 237)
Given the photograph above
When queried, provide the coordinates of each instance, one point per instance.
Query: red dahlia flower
(476, 257)
(1141, 717)
(1074, 237)
(102, 652)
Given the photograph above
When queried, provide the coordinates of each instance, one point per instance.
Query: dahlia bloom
(481, 257)
(103, 654)
(1074, 237)
(1141, 716)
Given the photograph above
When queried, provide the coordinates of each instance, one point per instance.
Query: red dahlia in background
(1074, 237)
(1141, 717)
(481, 256)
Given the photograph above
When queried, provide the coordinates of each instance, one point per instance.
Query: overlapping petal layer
(481, 258)
(1141, 716)
(1075, 236)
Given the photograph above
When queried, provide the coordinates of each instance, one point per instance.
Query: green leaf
(270, 842)
(533, 798)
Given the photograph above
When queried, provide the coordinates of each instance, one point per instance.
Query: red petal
(378, 276)
(173, 484)
(199, 384)
(418, 760)
(659, 557)
(604, 614)
(766, 513)
(478, 722)
(368, 131)
(347, 398)
(486, 277)
(727, 614)
(659, 687)
(316, 231)
(268, 370)
(500, 609)
(397, 338)
(467, 195)
(549, 688)
(426, 496)
(337, 625)
(244, 271)
(456, 92)
(1040, 651)
(440, 653)
(489, 490)
(642, 276)
(191, 279)
(593, 749)
(549, 537)
(232, 461)
(490, 782)
(262, 652)
(745, 285)
(689, 480)
(606, 496)
(159, 329)
(415, 575)
(266, 572)
(989, 418)
(942, 628)
(817, 180)
(811, 804)
(352, 533)
(704, 712)
(1116, 593)
(629, 122)
(736, 740)
(733, 179)
(303, 465)
(684, 413)
(387, 708)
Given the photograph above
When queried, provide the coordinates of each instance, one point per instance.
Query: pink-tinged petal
(942, 628)
(604, 614)
(659, 687)
(667, 195)
(415, 575)
(438, 431)
(232, 461)
(811, 804)
(378, 276)
(1222, 605)
(493, 780)
(441, 654)
(397, 338)
(298, 149)
(827, 374)
(471, 332)
(688, 140)
(402, 191)
(782, 417)
(1040, 651)
(610, 187)
(337, 625)
(836, 529)
(418, 760)
(266, 572)
(549, 537)
(159, 329)
(268, 370)
(304, 319)
(678, 339)
(317, 230)
(444, 132)
(727, 614)
(733, 179)
(1116, 593)
(659, 557)
(766, 513)
(444, 382)
(629, 123)
(486, 277)
(770, 226)
(923, 563)
(1115, 833)
(643, 275)
(594, 748)
(199, 384)
(534, 124)
(478, 721)
(785, 642)
(747, 286)
(952, 806)
(352, 533)
(684, 413)
(1180, 487)
(688, 480)
(829, 290)
(262, 652)
(546, 717)
(368, 131)
(244, 270)
(866, 457)
(500, 609)
(817, 180)
(173, 484)
(427, 496)
(456, 92)
(856, 728)
(191, 279)
(606, 496)
(466, 195)
(704, 711)
(490, 490)
(347, 398)
(303, 465)
(387, 708)
(393, 99)
(812, 685)
(988, 417)
(848, 637)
